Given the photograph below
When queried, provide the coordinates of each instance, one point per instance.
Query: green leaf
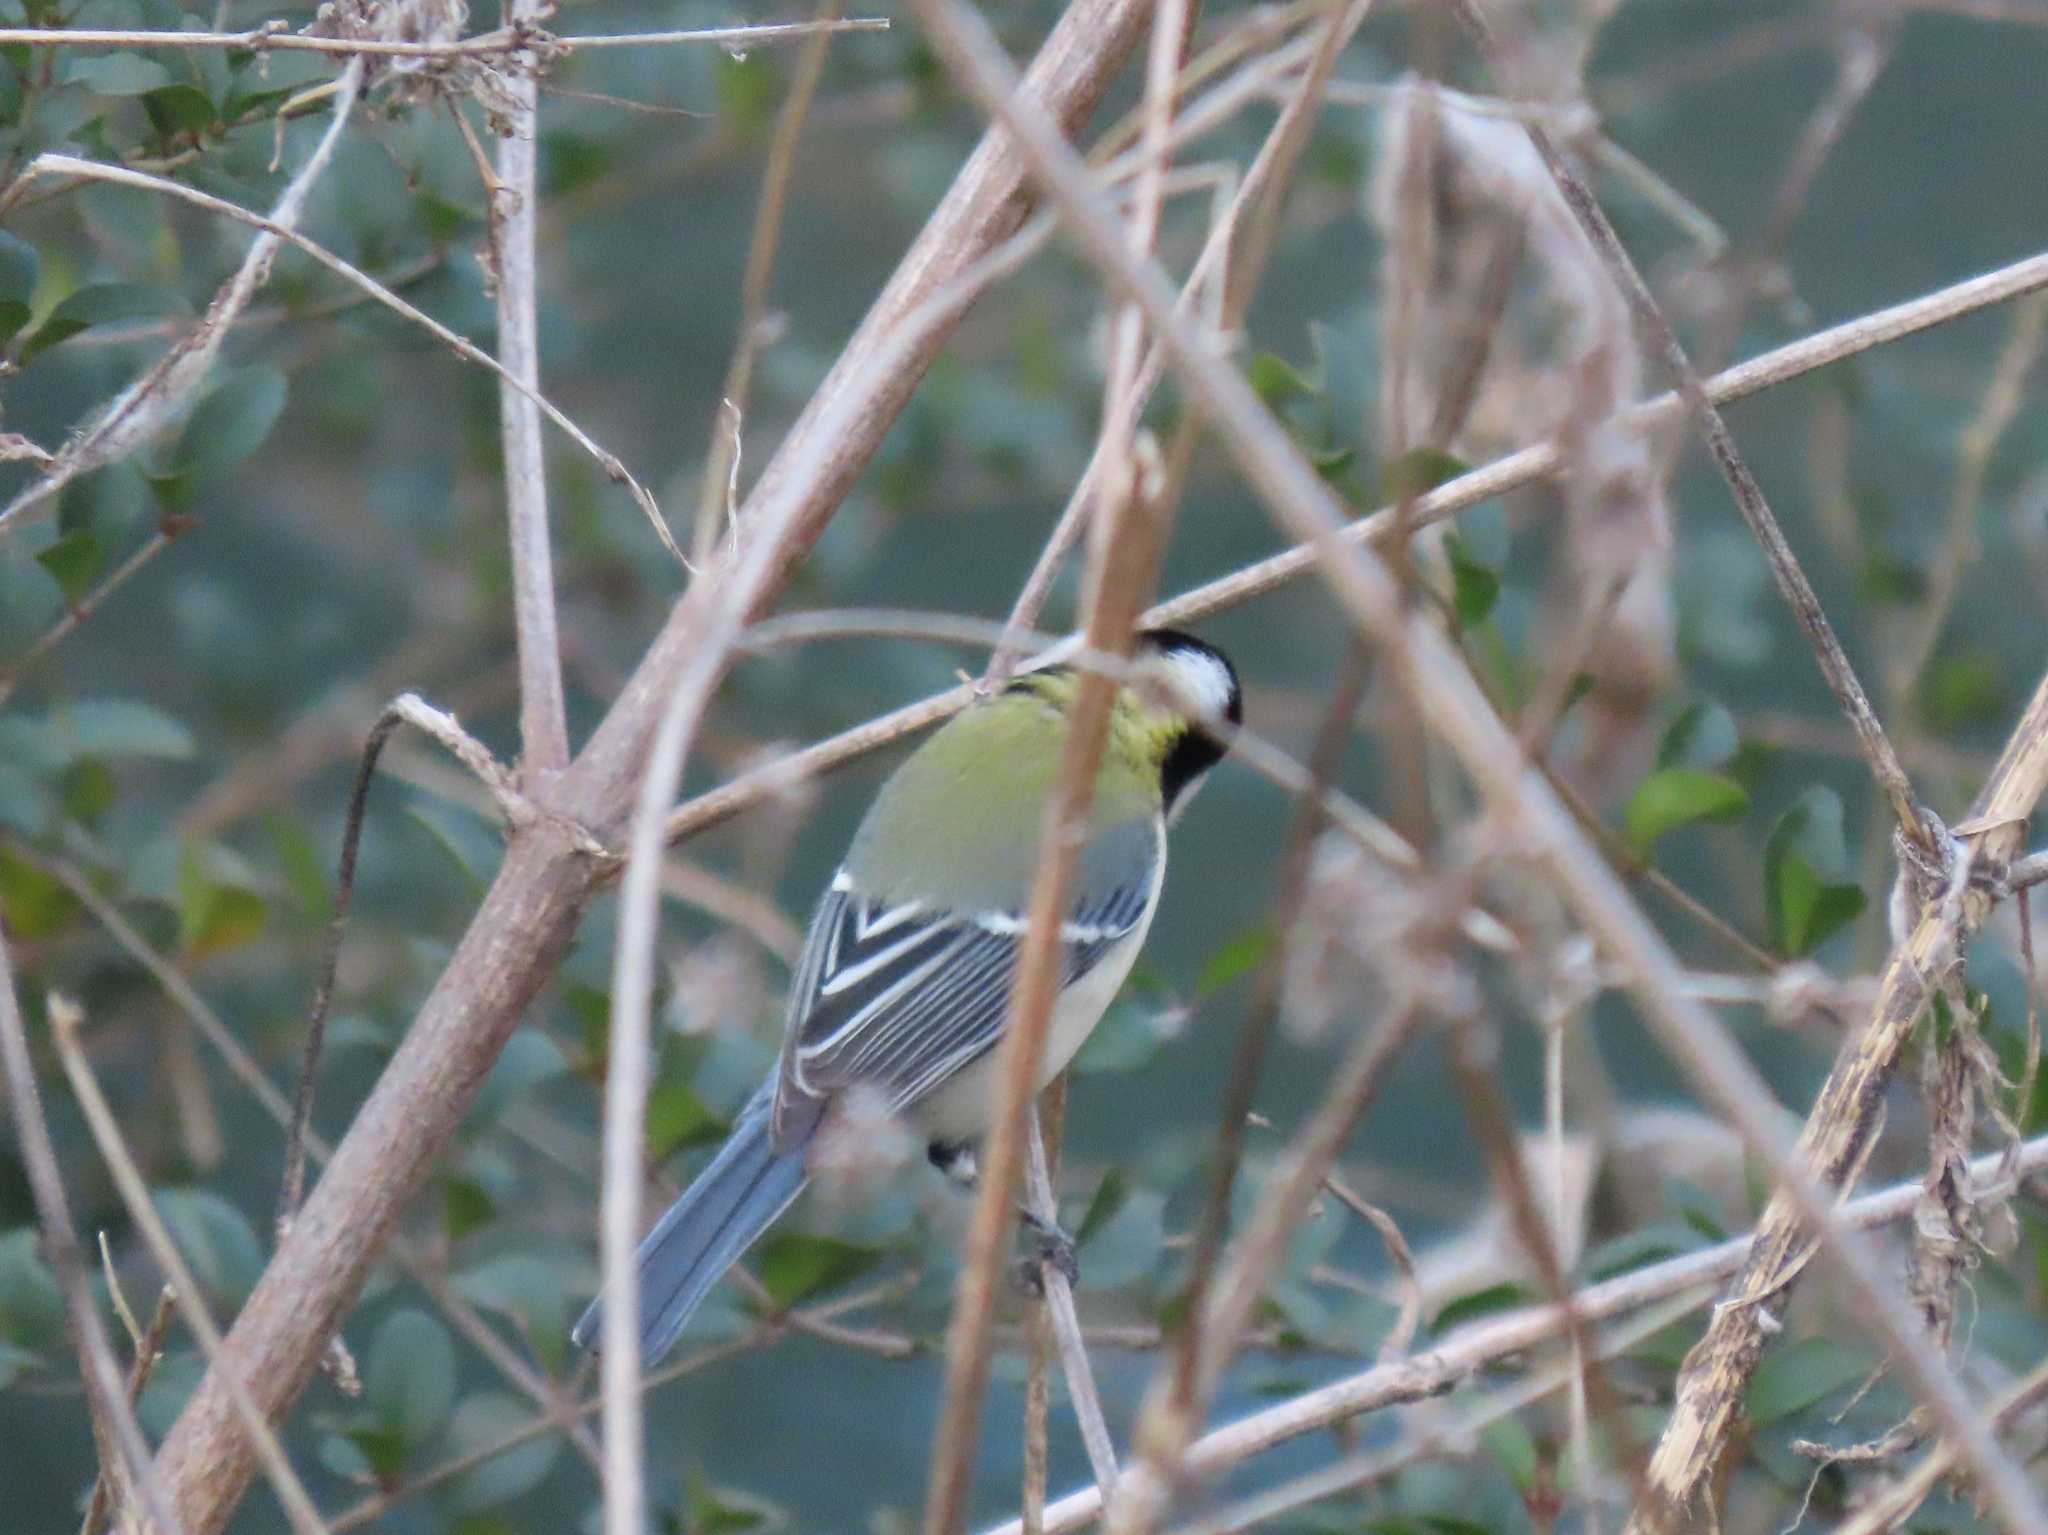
(1635, 1249)
(796, 1265)
(1508, 1440)
(466, 1207)
(1804, 905)
(1505, 1296)
(231, 422)
(1278, 382)
(215, 1238)
(179, 108)
(35, 904)
(1474, 588)
(459, 834)
(528, 1059)
(1964, 688)
(31, 1305)
(117, 74)
(118, 727)
(20, 265)
(1703, 736)
(519, 1286)
(379, 1451)
(709, 1510)
(88, 790)
(1108, 1198)
(678, 1118)
(74, 563)
(1673, 797)
(101, 304)
(1236, 958)
(13, 1361)
(1796, 1375)
(304, 870)
(482, 1421)
(214, 915)
(409, 1380)
(1417, 472)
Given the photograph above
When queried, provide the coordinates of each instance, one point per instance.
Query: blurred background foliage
(336, 501)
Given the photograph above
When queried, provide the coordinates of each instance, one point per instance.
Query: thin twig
(2003, 396)
(1261, 189)
(291, 1186)
(514, 196)
(1839, 1131)
(78, 612)
(149, 1345)
(1255, 1033)
(106, 1131)
(716, 499)
(126, 1464)
(1066, 1321)
(1894, 1507)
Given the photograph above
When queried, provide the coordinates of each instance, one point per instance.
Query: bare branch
(1066, 1321)
(515, 215)
(78, 612)
(106, 1130)
(1895, 1506)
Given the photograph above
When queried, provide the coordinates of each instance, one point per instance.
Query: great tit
(903, 986)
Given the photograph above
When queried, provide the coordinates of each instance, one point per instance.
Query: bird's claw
(1052, 1248)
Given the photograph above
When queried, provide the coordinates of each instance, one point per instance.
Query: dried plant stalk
(1844, 1117)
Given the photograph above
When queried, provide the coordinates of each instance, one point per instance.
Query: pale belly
(960, 1110)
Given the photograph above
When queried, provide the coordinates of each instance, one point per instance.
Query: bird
(903, 985)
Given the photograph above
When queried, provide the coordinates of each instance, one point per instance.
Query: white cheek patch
(1202, 680)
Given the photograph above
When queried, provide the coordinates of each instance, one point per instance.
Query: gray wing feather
(904, 997)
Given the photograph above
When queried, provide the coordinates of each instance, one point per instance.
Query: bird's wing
(901, 997)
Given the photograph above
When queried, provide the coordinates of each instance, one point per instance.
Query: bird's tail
(748, 1184)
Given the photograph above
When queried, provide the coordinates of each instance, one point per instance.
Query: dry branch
(1844, 1117)
(514, 216)
(125, 1464)
(526, 918)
